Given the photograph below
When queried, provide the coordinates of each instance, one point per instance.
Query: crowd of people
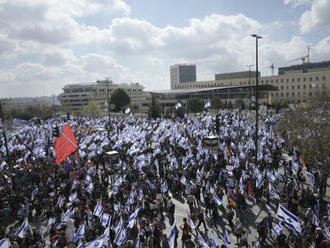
(90, 200)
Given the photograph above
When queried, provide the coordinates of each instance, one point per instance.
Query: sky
(46, 44)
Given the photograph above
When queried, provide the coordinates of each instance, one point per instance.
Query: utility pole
(257, 100)
(4, 132)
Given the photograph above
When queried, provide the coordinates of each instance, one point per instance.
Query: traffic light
(56, 132)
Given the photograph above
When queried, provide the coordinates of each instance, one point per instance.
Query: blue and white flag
(224, 238)
(316, 220)
(119, 225)
(88, 180)
(289, 219)
(270, 210)
(34, 193)
(202, 242)
(5, 243)
(131, 199)
(60, 201)
(80, 233)
(90, 188)
(207, 187)
(171, 237)
(270, 176)
(116, 207)
(259, 179)
(207, 104)
(100, 242)
(98, 210)
(217, 199)
(141, 196)
(326, 232)
(105, 220)
(132, 218)
(178, 105)
(213, 243)
(121, 237)
(119, 181)
(137, 244)
(23, 229)
(256, 245)
(198, 177)
(90, 170)
(51, 222)
(151, 186)
(310, 176)
(241, 185)
(72, 197)
(183, 180)
(164, 187)
(67, 215)
(272, 192)
(277, 229)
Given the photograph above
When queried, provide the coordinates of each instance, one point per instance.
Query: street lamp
(249, 73)
(257, 98)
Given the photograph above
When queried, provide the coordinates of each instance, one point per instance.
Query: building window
(317, 78)
(304, 79)
(292, 80)
(310, 93)
(271, 81)
(287, 94)
(298, 93)
(282, 80)
(298, 87)
(310, 79)
(292, 94)
(276, 80)
(287, 87)
(304, 86)
(282, 94)
(282, 87)
(272, 94)
(323, 78)
(298, 79)
(276, 94)
(287, 80)
(293, 87)
(310, 86)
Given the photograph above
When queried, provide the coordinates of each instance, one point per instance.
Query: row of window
(303, 87)
(297, 94)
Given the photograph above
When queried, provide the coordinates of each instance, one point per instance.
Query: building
(294, 84)
(182, 73)
(236, 75)
(76, 96)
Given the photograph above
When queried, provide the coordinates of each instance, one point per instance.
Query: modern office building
(182, 73)
(294, 84)
(76, 96)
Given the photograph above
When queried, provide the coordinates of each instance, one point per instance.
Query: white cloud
(296, 3)
(317, 17)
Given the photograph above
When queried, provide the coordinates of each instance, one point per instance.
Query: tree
(195, 105)
(216, 103)
(120, 99)
(91, 109)
(308, 130)
(154, 110)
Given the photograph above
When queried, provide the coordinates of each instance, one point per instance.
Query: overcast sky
(45, 44)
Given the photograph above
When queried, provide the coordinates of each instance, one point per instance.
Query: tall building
(182, 73)
(294, 84)
(76, 96)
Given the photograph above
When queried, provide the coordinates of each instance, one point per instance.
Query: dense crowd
(90, 201)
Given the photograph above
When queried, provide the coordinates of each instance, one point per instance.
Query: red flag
(250, 190)
(65, 144)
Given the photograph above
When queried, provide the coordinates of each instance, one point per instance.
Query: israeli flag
(310, 176)
(217, 199)
(198, 177)
(208, 187)
(141, 196)
(34, 193)
(72, 197)
(137, 244)
(132, 218)
(23, 229)
(98, 210)
(224, 238)
(5, 243)
(207, 104)
(316, 221)
(213, 243)
(326, 232)
(178, 105)
(90, 188)
(88, 180)
(241, 185)
(100, 242)
(151, 186)
(60, 201)
(105, 220)
(256, 245)
(289, 219)
(127, 208)
(80, 233)
(277, 229)
(164, 187)
(272, 192)
(202, 242)
(131, 198)
(116, 207)
(119, 225)
(51, 222)
(259, 179)
(119, 181)
(270, 210)
(270, 176)
(121, 237)
(171, 237)
(183, 180)
(67, 215)
(90, 170)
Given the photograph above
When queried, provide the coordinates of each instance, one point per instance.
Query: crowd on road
(89, 201)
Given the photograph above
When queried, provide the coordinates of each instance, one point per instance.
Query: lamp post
(257, 100)
(250, 66)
